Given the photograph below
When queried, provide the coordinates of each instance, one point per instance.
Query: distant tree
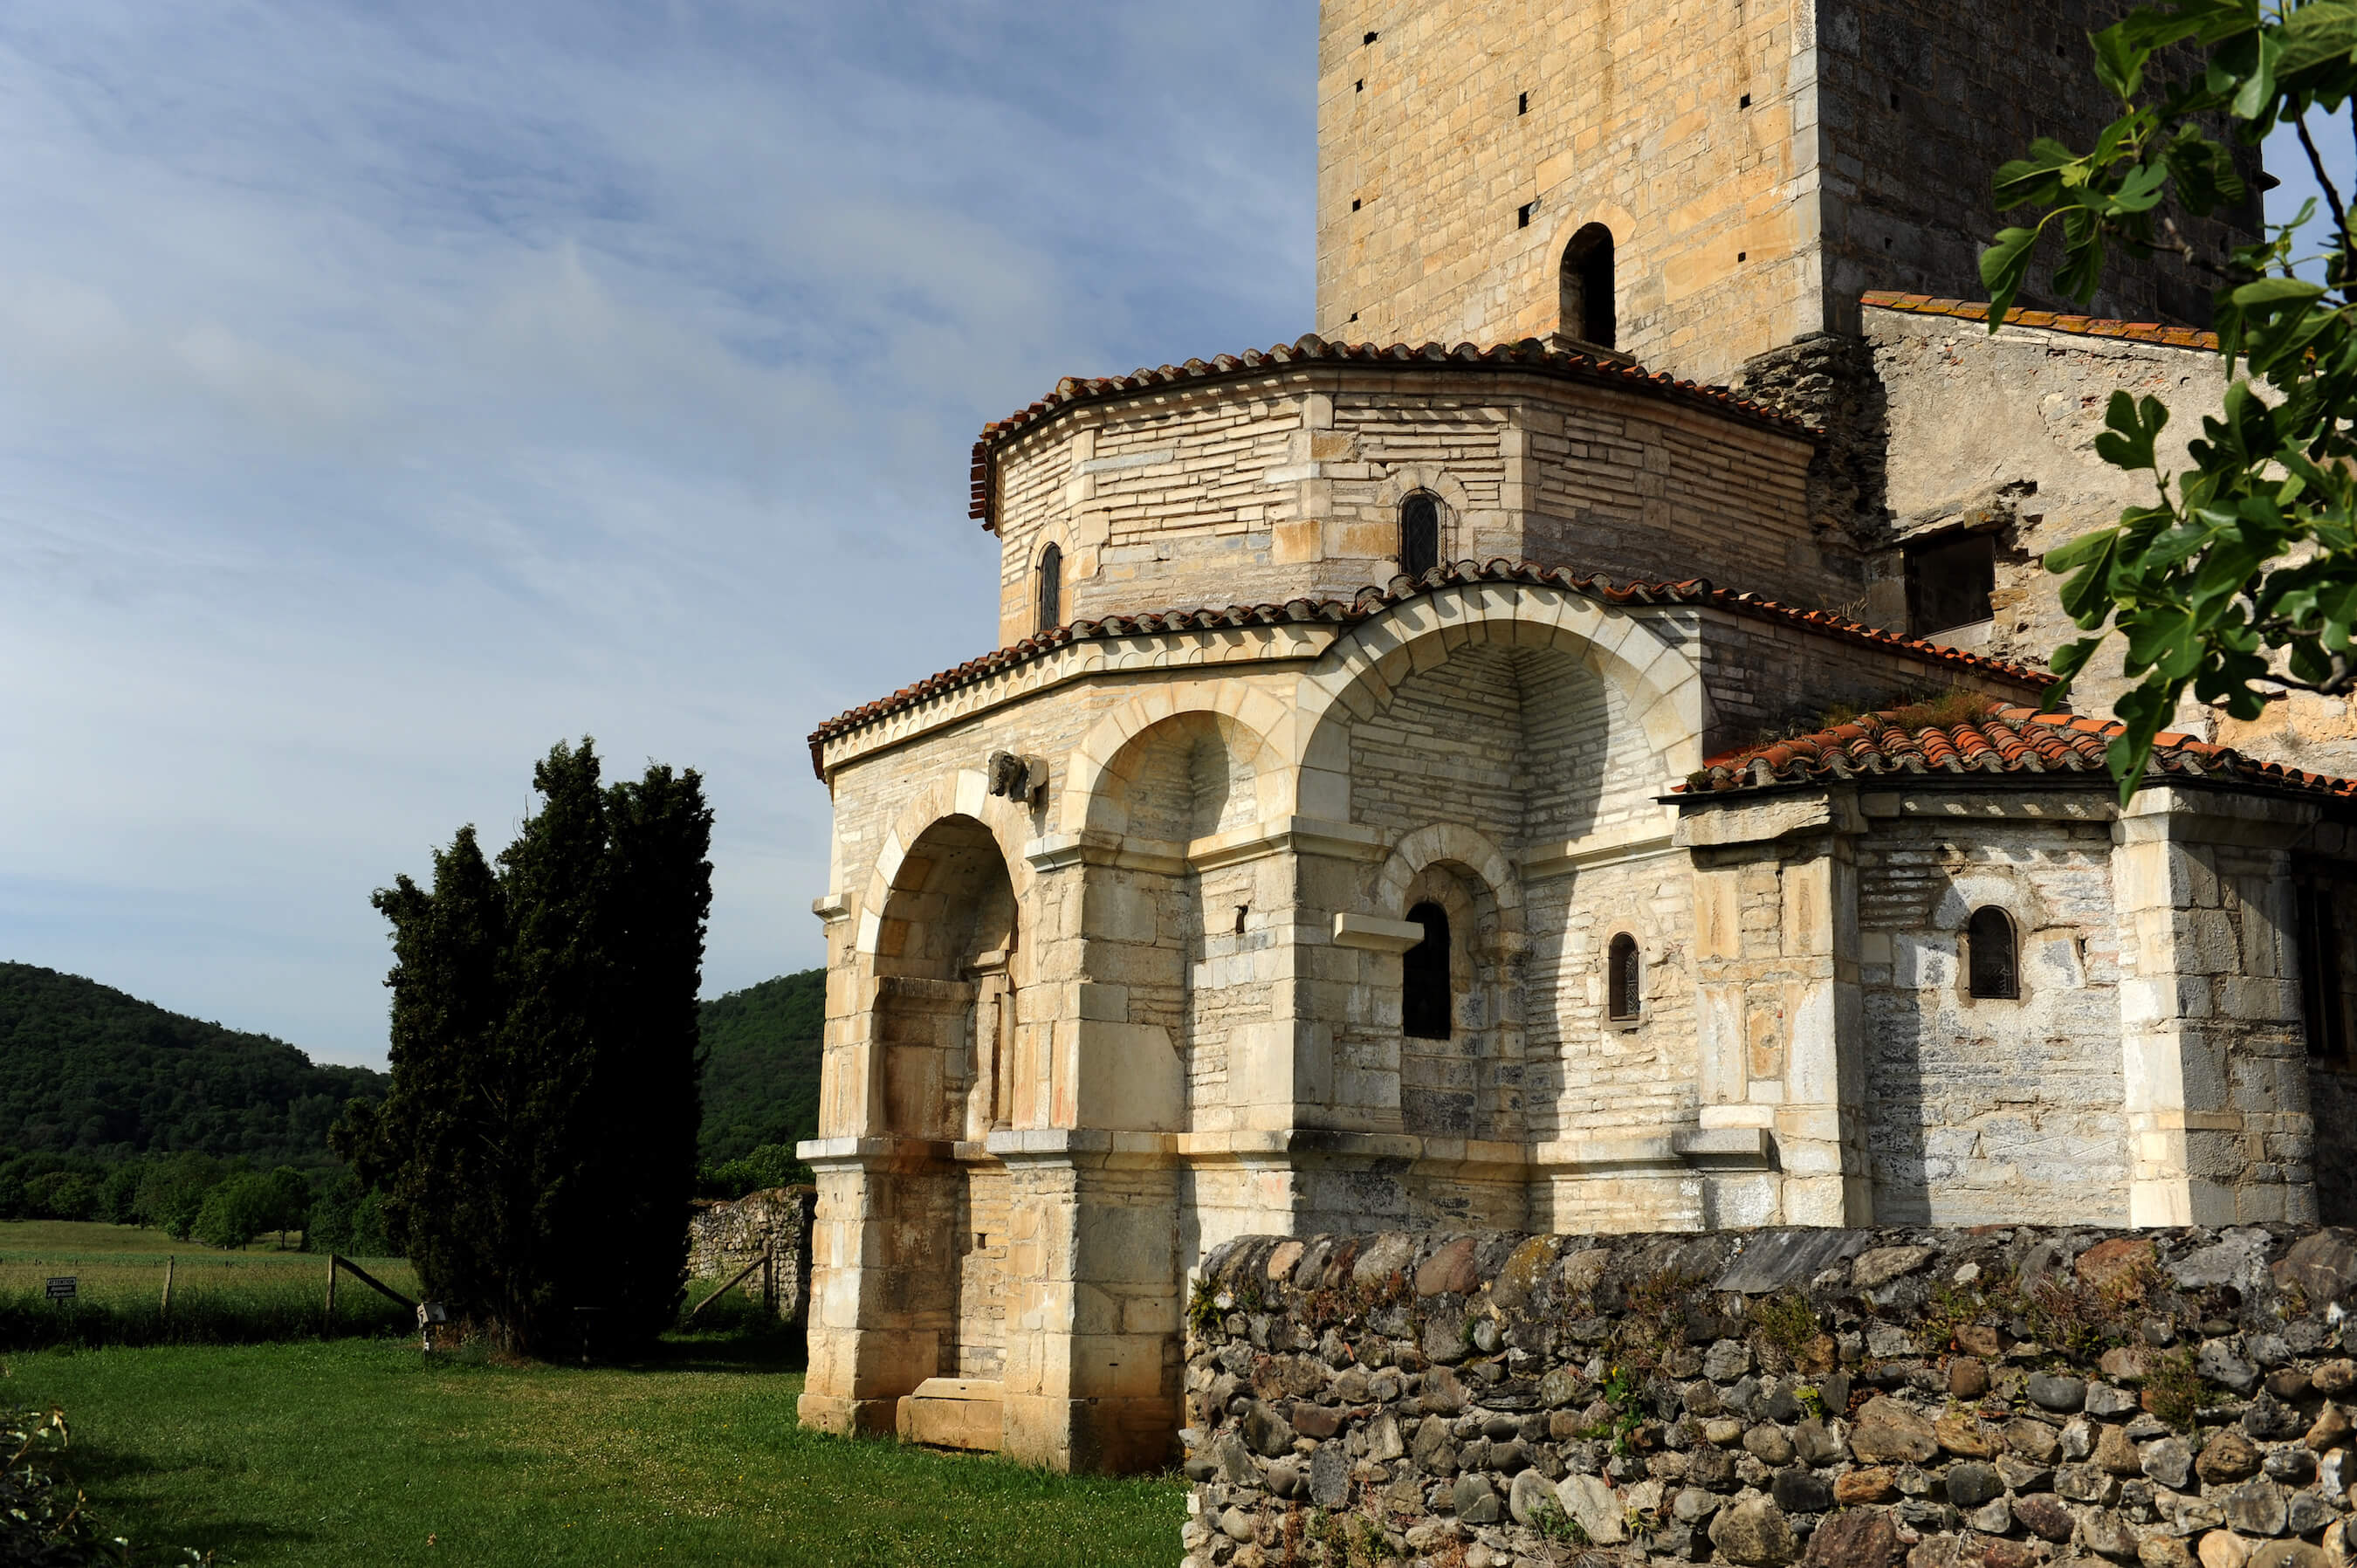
(346, 1217)
(236, 1210)
(771, 1165)
(290, 1200)
(172, 1191)
(118, 1195)
(536, 1151)
(61, 1195)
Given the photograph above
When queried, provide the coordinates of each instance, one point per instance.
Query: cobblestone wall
(1995, 1398)
(722, 1238)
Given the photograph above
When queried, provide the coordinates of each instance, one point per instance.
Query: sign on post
(61, 1287)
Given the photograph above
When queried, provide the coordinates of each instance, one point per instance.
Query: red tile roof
(2085, 326)
(1529, 354)
(2004, 740)
(1373, 600)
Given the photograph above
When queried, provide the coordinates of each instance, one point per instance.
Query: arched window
(1419, 542)
(1586, 284)
(1424, 977)
(1624, 983)
(1051, 588)
(1989, 938)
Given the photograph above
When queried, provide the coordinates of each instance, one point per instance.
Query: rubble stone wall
(2001, 1396)
(725, 1237)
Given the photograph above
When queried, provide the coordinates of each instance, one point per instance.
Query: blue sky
(389, 391)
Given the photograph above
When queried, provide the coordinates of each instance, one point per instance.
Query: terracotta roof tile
(1529, 354)
(1373, 600)
(2084, 326)
(2003, 740)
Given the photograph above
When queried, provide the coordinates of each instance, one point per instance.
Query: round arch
(1355, 678)
(1093, 773)
(964, 794)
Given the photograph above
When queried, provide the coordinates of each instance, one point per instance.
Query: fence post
(331, 1293)
(168, 1260)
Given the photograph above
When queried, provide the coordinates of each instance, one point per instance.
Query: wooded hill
(88, 1070)
(760, 1069)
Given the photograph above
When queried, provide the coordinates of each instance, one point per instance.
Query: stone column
(2214, 1057)
(1093, 1306)
(1779, 1019)
(878, 1303)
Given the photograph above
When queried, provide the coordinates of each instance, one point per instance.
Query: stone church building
(1555, 748)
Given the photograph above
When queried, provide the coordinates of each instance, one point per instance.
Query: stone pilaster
(2214, 1063)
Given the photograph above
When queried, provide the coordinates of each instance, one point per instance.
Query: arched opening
(1419, 530)
(1424, 977)
(947, 1011)
(1994, 971)
(1624, 983)
(1050, 588)
(1586, 287)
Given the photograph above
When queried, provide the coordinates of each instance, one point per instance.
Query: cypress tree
(536, 1150)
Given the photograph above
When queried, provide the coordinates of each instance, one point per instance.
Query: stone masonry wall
(1261, 490)
(722, 1238)
(2003, 1397)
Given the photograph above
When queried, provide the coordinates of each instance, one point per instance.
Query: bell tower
(1701, 179)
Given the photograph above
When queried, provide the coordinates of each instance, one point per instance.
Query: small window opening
(1368, 39)
(1950, 582)
(2322, 1006)
(1050, 588)
(1424, 977)
(1522, 214)
(1354, 204)
(1624, 981)
(1587, 286)
(1744, 101)
(1742, 256)
(1420, 540)
(1995, 975)
(1522, 104)
(1359, 85)
(1242, 910)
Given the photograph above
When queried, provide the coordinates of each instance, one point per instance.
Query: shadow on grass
(158, 1532)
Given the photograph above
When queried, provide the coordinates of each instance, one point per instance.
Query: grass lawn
(356, 1450)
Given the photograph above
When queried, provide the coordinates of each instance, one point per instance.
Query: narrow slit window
(1624, 986)
(1996, 974)
(1586, 285)
(1522, 104)
(1419, 545)
(1424, 977)
(1050, 588)
(2322, 1003)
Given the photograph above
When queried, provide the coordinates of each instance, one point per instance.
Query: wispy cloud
(385, 394)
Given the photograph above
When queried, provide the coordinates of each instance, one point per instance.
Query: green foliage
(761, 1068)
(1788, 1325)
(537, 1148)
(88, 1071)
(171, 1193)
(2239, 579)
(45, 1519)
(2177, 1391)
(771, 1165)
(347, 1217)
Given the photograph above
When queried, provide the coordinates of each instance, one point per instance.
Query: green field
(256, 1295)
(353, 1451)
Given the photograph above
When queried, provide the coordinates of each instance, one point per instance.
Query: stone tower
(1692, 183)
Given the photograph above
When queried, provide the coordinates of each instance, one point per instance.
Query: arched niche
(1465, 1083)
(950, 1068)
(1193, 775)
(1653, 681)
